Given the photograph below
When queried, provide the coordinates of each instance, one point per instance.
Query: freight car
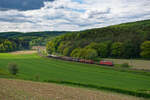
(67, 58)
(89, 61)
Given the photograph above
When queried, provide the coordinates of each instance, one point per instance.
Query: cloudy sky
(69, 15)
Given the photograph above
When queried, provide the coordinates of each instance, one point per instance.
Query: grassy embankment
(11, 89)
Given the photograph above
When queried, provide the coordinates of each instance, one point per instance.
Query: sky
(69, 15)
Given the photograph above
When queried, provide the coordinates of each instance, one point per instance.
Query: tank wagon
(104, 62)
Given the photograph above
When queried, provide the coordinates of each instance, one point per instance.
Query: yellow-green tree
(117, 49)
(145, 47)
(84, 53)
(50, 47)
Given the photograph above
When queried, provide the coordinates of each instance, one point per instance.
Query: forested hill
(32, 34)
(121, 41)
(11, 41)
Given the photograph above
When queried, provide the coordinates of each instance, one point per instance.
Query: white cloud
(71, 15)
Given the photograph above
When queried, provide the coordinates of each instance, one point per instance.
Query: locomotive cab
(108, 63)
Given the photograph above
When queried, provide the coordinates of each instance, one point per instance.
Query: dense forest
(128, 40)
(11, 41)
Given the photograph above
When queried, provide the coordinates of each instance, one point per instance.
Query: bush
(37, 77)
(13, 68)
(125, 65)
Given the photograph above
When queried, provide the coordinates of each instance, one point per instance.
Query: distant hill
(39, 37)
(13, 41)
(134, 31)
(36, 34)
(130, 34)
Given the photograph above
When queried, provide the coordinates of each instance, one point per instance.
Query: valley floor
(27, 90)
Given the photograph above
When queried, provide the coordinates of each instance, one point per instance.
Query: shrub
(13, 68)
(37, 77)
(125, 65)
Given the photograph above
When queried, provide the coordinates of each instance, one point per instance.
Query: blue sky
(69, 15)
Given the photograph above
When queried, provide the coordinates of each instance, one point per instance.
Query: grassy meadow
(32, 66)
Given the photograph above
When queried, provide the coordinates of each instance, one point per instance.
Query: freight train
(102, 62)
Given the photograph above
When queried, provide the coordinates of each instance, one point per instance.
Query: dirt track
(26, 90)
(24, 52)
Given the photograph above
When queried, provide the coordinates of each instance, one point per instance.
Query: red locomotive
(108, 63)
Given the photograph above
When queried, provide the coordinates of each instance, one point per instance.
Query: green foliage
(89, 53)
(62, 46)
(85, 53)
(93, 45)
(37, 42)
(117, 49)
(145, 47)
(7, 46)
(2, 48)
(11, 41)
(103, 49)
(130, 50)
(76, 53)
(50, 47)
(126, 40)
(67, 51)
(13, 68)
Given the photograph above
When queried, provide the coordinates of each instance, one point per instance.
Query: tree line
(35, 38)
(7, 45)
(12, 41)
(130, 40)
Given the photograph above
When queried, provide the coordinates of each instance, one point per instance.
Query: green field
(81, 74)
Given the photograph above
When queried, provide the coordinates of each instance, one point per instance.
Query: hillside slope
(34, 67)
(27, 34)
(130, 35)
